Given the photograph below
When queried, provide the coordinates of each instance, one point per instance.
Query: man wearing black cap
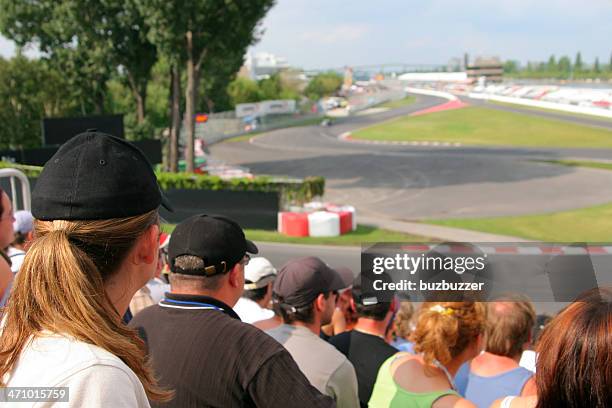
(305, 294)
(365, 346)
(197, 343)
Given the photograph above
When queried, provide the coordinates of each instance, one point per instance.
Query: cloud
(337, 34)
(7, 48)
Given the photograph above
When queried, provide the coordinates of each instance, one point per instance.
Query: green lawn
(399, 103)
(364, 234)
(592, 224)
(580, 163)
(485, 126)
(535, 109)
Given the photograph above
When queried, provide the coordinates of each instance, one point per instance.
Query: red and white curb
(526, 249)
(330, 222)
(348, 137)
(450, 105)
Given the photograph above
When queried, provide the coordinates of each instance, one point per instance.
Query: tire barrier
(318, 220)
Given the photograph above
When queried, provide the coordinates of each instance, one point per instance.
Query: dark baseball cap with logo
(96, 176)
(364, 292)
(217, 240)
(301, 280)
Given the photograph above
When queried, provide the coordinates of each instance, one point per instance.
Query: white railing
(14, 176)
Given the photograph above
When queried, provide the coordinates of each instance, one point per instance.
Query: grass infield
(580, 163)
(591, 224)
(363, 234)
(408, 100)
(488, 127)
(536, 109)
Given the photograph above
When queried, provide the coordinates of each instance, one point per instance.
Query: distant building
(262, 65)
(489, 68)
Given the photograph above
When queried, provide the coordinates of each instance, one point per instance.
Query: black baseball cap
(347, 276)
(301, 280)
(96, 176)
(363, 289)
(217, 240)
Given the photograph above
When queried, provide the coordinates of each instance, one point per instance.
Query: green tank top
(387, 394)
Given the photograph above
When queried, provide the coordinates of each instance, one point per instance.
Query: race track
(417, 182)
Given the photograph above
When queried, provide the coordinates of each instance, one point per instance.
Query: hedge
(292, 191)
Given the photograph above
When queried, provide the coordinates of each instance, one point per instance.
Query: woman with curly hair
(447, 334)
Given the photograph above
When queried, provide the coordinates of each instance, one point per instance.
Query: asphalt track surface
(336, 256)
(410, 182)
(403, 182)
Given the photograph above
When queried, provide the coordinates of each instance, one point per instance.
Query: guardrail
(15, 175)
(431, 92)
(543, 104)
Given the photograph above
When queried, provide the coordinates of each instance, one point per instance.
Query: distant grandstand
(490, 68)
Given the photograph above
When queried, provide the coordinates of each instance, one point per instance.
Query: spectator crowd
(96, 298)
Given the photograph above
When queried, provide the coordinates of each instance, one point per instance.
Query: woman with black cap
(95, 243)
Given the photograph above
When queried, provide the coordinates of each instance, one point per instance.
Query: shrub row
(292, 191)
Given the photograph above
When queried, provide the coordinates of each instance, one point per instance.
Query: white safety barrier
(431, 92)
(543, 104)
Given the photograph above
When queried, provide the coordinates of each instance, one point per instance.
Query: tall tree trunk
(99, 104)
(175, 126)
(99, 91)
(190, 106)
(139, 92)
(141, 103)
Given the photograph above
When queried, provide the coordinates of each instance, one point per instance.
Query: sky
(318, 34)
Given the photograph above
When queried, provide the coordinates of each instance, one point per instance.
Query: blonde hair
(403, 320)
(510, 323)
(60, 288)
(445, 329)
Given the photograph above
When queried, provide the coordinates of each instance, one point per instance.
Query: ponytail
(60, 288)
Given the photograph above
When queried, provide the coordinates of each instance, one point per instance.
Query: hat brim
(251, 248)
(336, 283)
(260, 283)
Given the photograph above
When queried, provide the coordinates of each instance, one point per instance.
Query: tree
(220, 72)
(55, 27)
(199, 31)
(552, 64)
(271, 87)
(564, 65)
(578, 62)
(510, 67)
(244, 90)
(596, 67)
(323, 84)
(29, 91)
(126, 36)
(81, 40)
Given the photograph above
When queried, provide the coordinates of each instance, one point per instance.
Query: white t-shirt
(16, 256)
(158, 289)
(251, 312)
(94, 377)
(528, 360)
